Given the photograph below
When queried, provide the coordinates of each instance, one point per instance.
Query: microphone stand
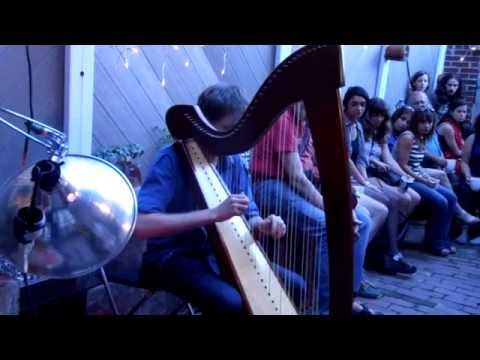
(30, 221)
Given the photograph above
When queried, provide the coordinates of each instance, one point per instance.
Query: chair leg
(113, 305)
(148, 295)
(190, 309)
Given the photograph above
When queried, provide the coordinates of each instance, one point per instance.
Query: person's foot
(475, 241)
(367, 291)
(462, 239)
(439, 252)
(396, 264)
(466, 218)
(363, 310)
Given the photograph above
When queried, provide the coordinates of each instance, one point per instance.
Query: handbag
(389, 177)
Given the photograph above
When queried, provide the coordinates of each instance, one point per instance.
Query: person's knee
(382, 211)
(416, 199)
(440, 204)
(451, 198)
(230, 302)
(364, 217)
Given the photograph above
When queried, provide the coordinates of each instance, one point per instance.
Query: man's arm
(163, 224)
(292, 167)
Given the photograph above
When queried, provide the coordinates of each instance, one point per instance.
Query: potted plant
(124, 157)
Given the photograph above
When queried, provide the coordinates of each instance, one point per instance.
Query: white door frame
(78, 97)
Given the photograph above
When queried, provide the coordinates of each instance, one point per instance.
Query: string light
(124, 55)
(125, 52)
(470, 50)
(164, 82)
(224, 69)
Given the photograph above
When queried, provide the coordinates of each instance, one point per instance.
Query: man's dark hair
(355, 91)
(220, 100)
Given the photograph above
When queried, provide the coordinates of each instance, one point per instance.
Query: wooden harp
(313, 75)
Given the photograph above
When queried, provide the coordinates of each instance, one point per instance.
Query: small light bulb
(187, 63)
(163, 83)
(135, 50)
(176, 47)
(462, 59)
(222, 72)
(473, 48)
(365, 47)
(125, 63)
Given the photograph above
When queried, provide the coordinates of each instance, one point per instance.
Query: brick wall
(467, 70)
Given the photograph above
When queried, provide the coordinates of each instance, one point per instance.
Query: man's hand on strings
(234, 205)
(272, 226)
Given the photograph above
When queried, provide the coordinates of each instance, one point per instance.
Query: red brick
(461, 283)
(452, 58)
(453, 305)
(460, 299)
(460, 64)
(401, 302)
(452, 70)
(469, 292)
(405, 311)
(470, 70)
(473, 59)
(471, 310)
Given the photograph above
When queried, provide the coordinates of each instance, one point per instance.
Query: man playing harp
(179, 256)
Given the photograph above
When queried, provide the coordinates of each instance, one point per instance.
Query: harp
(312, 75)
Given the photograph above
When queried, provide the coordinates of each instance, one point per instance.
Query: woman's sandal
(366, 311)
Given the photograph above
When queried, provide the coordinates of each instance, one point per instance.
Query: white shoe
(475, 241)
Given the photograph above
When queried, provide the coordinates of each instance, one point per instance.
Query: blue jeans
(308, 222)
(195, 277)
(441, 203)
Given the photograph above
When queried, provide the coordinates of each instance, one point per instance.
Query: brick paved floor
(441, 286)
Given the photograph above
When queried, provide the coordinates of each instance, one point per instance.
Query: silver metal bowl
(90, 217)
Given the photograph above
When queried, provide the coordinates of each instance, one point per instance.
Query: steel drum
(90, 217)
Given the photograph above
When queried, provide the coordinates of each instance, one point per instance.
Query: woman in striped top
(441, 201)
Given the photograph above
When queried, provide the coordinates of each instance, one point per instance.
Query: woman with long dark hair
(449, 88)
(450, 132)
(441, 201)
(386, 174)
(400, 122)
